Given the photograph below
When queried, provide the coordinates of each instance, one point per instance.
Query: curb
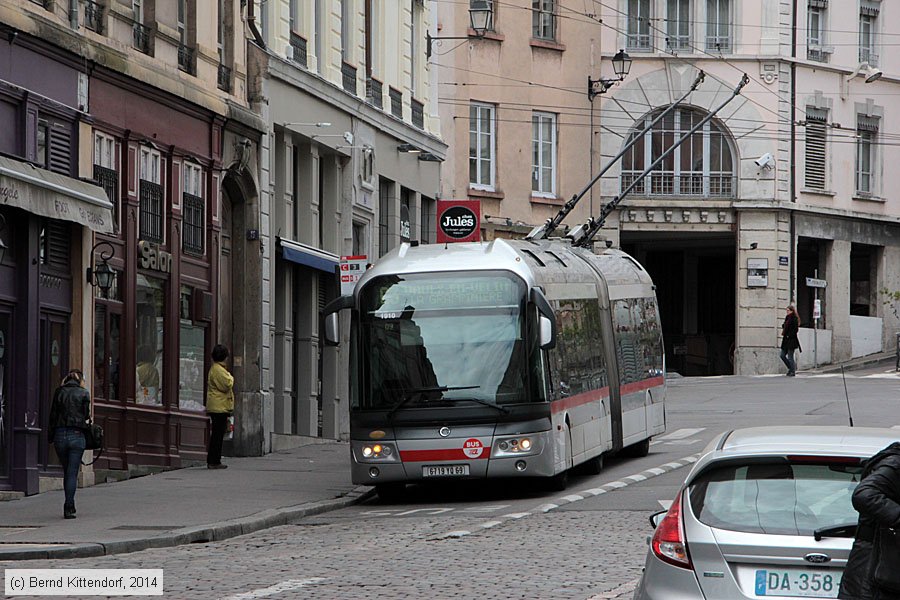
(213, 532)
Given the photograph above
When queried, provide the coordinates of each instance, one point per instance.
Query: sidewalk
(181, 506)
(888, 358)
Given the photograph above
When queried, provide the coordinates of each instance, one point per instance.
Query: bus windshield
(439, 340)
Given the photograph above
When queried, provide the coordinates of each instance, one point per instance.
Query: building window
(816, 138)
(543, 19)
(718, 25)
(93, 16)
(41, 157)
(678, 25)
(151, 200)
(385, 200)
(347, 13)
(482, 124)
(543, 152)
(191, 354)
(815, 30)
(193, 210)
(139, 28)
(359, 245)
(427, 219)
(105, 173)
(868, 20)
(866, 137)
(639, 25)
(150, 307)
(185, 44)
(703, 166)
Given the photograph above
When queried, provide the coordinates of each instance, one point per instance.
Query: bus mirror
(548, 340)
(332, 329)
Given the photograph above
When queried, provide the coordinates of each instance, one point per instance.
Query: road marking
(616, 592)
(285, 586)
(896, 427)
(578, 497)
(680, 434)
(665, 504)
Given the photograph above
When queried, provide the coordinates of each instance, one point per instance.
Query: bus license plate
(796, 582)
(445, 470)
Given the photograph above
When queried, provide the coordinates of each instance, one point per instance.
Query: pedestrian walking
(70, 412)
(789, 340)
(873, 567)
(219, 404)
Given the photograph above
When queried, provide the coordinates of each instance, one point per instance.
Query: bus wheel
(390, 492)
(639, 450)
(558, 482)
(594, 465)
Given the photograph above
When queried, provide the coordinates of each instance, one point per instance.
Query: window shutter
(864, 123)
(58, 243)
(816, 139)
(60, 149)
(818, 3)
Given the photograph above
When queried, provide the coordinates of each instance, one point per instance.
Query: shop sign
(757, 272)
(404, 223)
(151, 257)
(458, 221)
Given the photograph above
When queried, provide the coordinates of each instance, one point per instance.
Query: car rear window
(776, 498)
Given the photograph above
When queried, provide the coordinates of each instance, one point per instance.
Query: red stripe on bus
(644, 384)
(579, 399)
(441, 454)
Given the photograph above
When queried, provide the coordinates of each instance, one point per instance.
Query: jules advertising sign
(458, 221)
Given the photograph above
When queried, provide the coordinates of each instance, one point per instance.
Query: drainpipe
(73, 14)
(793, 169)
(251, 22)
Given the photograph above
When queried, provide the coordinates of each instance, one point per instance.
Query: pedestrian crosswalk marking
(679, 434)
(285, 586)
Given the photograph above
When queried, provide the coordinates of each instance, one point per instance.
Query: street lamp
(102, 275)
(621, 66)
(480, 13)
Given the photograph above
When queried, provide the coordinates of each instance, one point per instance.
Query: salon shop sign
(458, 221)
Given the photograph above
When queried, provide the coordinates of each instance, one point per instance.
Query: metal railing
(151, 212)
(93, 16)
(186, 59)
(192, 234)
(299, 49)
(718, 42)
(867, 55)
(694, 185)
(678, 42)
(142, 38)
(108, 179)
(639, 41)
(816, 53)
(418, 113)
(348, 78)
(396, 102)
(224, 78)
(374, 93)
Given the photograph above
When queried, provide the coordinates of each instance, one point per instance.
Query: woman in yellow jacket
(219, 404)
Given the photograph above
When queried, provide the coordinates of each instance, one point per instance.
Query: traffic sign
(815, 283)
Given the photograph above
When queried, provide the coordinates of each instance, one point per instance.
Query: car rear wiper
(502, 409)
(844, 530)
(411, 393)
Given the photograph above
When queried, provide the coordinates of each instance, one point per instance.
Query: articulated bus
(507, 359)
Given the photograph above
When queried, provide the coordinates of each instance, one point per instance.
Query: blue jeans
(69, 444)
(787, 357)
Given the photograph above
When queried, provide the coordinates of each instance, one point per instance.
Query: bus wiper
(411, 393)
(844, 530)
(502, 409)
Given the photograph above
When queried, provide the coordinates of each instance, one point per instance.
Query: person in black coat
(789, 340)
(877, 499)
(70, 412)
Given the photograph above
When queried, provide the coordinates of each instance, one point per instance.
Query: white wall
(816, 348)
(865, 335)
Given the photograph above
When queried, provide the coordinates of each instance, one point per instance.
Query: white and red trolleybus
(501, 359)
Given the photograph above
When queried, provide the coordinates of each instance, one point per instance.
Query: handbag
(887, 556)
(93, 437)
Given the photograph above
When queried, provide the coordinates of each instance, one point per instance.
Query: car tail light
(668, 541)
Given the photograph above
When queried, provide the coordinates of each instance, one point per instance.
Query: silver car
(764, 513)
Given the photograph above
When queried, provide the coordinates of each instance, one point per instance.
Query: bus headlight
(520, 445)
(371, 452)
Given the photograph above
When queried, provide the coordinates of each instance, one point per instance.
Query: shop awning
(55, 196)
(309, 256)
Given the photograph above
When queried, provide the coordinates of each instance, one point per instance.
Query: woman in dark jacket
(789, 339)
(69, 415)
(877, 499)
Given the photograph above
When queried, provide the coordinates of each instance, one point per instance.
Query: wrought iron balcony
(192, 232)
(348, 78)
(816, 53)
(374, 93)
(642, 42)
(396, 102)
(93, 16)
(151, 217)
(678, 42)
(108, 179)
(722, 43)
(867, 55)
(186, 59)
(298, 47)
(418, 113)
(224, 78)
(142, 38)
(685, 184)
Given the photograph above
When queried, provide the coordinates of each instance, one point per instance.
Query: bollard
(898, 351)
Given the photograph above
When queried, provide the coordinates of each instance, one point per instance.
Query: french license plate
(798, 583)
(445, 470)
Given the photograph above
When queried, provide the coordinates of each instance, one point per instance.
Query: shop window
(150, 308)
(191, 355)
(107, 336)
(863, 271)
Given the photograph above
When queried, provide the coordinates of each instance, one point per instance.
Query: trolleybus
(511, 358)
